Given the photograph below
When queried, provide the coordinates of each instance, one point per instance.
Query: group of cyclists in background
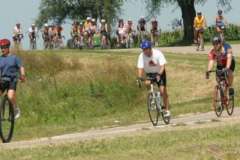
(51, 34)
(83, 33)
(199, 21)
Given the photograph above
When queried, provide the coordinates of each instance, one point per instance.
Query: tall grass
(71, 91)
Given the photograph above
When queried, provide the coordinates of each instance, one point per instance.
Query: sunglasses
(4, 47)
(215, 44)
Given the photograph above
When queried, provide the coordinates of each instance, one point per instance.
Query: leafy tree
(61, 10)
(187, 8)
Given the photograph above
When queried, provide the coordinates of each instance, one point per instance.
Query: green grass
(75, 91)
(181, 143)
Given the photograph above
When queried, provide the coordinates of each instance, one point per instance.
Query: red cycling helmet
(4, 42)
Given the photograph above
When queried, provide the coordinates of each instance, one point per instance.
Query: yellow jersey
(199, 22)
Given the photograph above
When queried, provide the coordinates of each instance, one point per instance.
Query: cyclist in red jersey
(59, 32)
(222, 53)
(155, 27)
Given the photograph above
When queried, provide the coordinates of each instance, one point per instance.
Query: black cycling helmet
(219, 11)
(216, 40)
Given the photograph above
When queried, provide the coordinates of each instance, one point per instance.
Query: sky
(24, 12)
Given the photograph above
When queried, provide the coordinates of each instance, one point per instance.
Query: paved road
(189, 120)
(187, 49)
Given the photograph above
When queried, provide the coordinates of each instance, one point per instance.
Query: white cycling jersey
(17, 30)
(31, 30)
(121, 30)
(151, 64)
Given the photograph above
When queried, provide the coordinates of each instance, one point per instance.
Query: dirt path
(189, 121)
(186, 49)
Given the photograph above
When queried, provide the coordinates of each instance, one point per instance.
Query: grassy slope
(72, 91)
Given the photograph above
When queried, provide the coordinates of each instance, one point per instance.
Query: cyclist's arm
(140, 71)
(229, 60)
(194, 24)
(205, 22)
(145, 26)
(161, 70)
(224, 19)
(210, 65)
(139, 28)
(62, 32)
(159, 28)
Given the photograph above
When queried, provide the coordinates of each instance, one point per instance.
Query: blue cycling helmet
(146, 44)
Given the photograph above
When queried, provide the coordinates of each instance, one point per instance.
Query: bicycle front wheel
(229, 102)
(217, 101)
(153, 110)
(7, 120)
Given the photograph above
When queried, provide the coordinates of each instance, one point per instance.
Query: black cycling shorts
(163, 80)
(232, 67)
(8, 85)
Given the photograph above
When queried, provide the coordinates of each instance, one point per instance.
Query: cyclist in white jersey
(17, 34)
(153, 63)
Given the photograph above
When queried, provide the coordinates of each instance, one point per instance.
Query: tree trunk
(188, 15)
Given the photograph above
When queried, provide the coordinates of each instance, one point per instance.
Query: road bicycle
(18, 42)
(59, 44)
(33, 43)
(155, 37)
(75, 43)
(6, 119)
(155, 106)
(91, 41)
(223, 29)
(130, 40)
(142, 37)
(199, 44)
(104, 40)
(47, 44)
(221, 96)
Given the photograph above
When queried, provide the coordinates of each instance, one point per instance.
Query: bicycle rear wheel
(7, 120)
(163, 112)
(229, 102)
(153, 110)
(217, 101)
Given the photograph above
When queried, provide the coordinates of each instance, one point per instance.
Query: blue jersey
(142, 24)
(10, 66)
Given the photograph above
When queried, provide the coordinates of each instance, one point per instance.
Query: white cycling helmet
(129, 20)
(103, 21)
(93, 20)
(142, 17)
(45, 25)
(33, 25)
(88, 18)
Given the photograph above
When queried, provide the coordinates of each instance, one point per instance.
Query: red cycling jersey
(59, 29)
(222, 59)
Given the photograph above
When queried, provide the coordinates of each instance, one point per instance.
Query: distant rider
(142, 29)
(17, 34)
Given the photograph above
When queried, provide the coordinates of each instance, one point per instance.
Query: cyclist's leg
(200, 38)
(195, 35)
(148, 84)
(139, 34)
(11, 97)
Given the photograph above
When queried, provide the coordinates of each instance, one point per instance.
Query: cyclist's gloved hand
(207, 75)
(224, 70)
(158, 77)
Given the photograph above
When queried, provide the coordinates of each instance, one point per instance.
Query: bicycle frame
(220, 94)
(155, 105)
(198, 44)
